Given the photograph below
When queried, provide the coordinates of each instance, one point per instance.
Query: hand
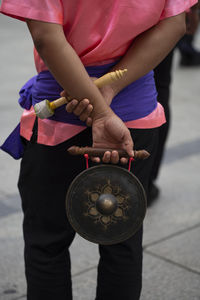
(82, 109)
(110, 132)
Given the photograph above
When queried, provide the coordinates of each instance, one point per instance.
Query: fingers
(71, 106)
(85, 113)
(107, 157)
(113, 157)
(63, 94)
(77, 107)
(96, 159)
(110, 157)
(123, 160)
(82, 109)
(89, 122)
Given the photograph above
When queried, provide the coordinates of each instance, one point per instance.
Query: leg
(189, 55)
(163, 81)
(45, 175)
(120, 265)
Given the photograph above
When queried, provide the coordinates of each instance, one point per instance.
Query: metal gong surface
(106, 204)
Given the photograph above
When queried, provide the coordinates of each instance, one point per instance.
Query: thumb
(128, 144)
(64, 94)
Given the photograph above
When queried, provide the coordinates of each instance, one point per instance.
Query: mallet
(45, 108)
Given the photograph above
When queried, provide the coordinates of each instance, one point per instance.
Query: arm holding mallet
(45, 108)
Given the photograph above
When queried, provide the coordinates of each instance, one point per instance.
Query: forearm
(149, 49)
(65, 65)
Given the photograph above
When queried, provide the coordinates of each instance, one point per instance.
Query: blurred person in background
(190, 56)
(163, 76)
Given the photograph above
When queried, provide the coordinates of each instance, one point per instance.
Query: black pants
(162, 75)
(185, 45)
(46, 172)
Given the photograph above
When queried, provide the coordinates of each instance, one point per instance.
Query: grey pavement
(172, 225)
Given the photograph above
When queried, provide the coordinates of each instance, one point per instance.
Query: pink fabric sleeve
(176, 7)
(41, 10)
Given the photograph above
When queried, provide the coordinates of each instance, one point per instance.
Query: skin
(68, 70)
(63, 62)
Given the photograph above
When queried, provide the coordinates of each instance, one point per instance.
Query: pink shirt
(96, 39)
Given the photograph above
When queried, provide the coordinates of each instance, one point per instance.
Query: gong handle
(75, 150)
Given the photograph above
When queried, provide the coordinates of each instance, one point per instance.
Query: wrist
(106, 113)
(108, 93)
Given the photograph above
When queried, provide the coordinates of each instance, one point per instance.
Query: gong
(106, 204)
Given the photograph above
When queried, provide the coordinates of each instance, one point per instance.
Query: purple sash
(135, 101)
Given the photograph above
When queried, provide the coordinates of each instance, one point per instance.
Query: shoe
(153, 194)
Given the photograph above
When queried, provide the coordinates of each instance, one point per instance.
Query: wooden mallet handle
(100, 82)
(109, 78)
(75, 150)
(58, 102)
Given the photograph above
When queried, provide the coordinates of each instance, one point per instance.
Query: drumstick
(75, 150)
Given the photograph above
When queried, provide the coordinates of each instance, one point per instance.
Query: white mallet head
(43, 109)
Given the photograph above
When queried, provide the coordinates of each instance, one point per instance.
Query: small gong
(106, 204)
